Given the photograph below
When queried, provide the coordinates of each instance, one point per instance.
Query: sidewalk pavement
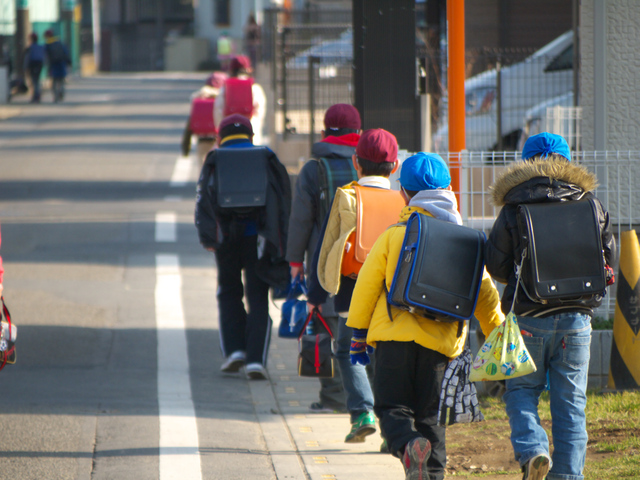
(311, 445)
(8, 112)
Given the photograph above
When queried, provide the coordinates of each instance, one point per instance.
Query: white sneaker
(536, 468)
(255, 371)
(234, 362)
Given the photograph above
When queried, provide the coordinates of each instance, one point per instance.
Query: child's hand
(359, 349)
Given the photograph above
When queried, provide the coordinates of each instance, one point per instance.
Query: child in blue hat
(412, 352)
(557, 338)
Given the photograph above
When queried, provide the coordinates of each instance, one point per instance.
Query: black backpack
(57, 53)
(240, 178)
(439, 271)
(563, 256)
(332, 174)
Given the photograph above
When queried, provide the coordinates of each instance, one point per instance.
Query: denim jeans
(354, 377)
(560, 347)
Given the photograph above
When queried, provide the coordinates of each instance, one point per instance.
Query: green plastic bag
(503, 355)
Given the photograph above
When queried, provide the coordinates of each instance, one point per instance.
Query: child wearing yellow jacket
(412, 352)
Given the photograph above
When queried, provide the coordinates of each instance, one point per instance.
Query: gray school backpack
(332, 174)
(240, 176)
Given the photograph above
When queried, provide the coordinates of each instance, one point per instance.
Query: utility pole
(21, 35)
(455, 80)
(385, 81)
(160, 34)
(95, 28)
(66, 15)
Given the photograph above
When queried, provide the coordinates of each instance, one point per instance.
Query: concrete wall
(185, 53)
(610, 74)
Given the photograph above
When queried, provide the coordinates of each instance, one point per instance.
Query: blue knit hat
(424, 171)
(544, 144)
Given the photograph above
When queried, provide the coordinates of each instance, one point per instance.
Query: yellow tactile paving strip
(319, 438)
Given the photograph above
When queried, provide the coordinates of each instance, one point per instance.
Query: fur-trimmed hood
(558, 170)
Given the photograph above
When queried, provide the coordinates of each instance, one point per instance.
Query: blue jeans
(354, 377)
(560, 347)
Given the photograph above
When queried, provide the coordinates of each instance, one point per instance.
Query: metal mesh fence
(508, 92)
(618, 174)
(304, 88)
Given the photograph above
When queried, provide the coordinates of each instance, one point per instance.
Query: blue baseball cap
(544, 144)
(424, 171)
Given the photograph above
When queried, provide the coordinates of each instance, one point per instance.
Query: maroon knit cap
(235, 124)
(378, 146)
(342, 115)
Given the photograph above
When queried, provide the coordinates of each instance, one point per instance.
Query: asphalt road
(118, 347)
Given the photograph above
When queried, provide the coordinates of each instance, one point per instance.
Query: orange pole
(455, 80)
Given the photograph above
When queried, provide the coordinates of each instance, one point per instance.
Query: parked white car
(546, 74)
(546, 117)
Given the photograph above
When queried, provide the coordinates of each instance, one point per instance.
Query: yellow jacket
(368, 308)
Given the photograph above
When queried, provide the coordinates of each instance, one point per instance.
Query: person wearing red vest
(242, 95)
(200, 122)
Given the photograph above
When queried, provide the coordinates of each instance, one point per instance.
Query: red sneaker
(415, 457)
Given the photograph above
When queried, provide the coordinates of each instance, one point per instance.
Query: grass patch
(613, 410)
(623, 466)
(601, 323)
(613, 426)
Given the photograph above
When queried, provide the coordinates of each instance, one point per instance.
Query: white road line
(166, 228)
(181, 172)
(179, 447)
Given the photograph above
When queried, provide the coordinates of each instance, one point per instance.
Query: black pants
(35, 69)
(406, 388)
(241, 330)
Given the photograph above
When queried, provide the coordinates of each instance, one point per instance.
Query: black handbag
(315, 358)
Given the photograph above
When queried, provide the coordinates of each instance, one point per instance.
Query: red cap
(378, 146)
(234, 124)
(342, 115)
(240, 62)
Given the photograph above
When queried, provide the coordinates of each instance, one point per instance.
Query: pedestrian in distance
(200, 122)
(242, 95)
(331, 159)
(375, 159)
(58, 59)
(226, 49)
(33, 63)
(245, 239)
(412, 351)
(558, 336)
(252, 34)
